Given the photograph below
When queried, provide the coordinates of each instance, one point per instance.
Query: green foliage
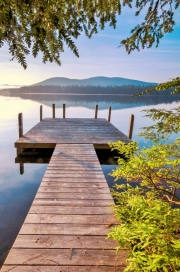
(174, 83)
(168, 121)
(156, 167)
(44, 26)
(148, 228)
(158, 21)
(148, 224)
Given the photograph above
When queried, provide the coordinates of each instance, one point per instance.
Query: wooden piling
(20, 124)
(131, 124)
(109, 114)
(96, 111)
(64, 110)
(21, 168)
(53, 110)
(41, 112)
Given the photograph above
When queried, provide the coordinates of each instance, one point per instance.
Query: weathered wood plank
(73, 196)
(71, 175)
(69, 210)
(79, 163)
(74, 180)
(89, 165)
(73, 202)
(74, 157)
(66, 229)
(66, 167)
(59, 268)
(70, 219)
(60, 166)
(77, 171)
(94, 163)
(63, 241)
(53, 189)
(74, 160)
(61, 184)
(65, 257)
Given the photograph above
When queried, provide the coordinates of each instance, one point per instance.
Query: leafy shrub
(148, 228)
(156, 167)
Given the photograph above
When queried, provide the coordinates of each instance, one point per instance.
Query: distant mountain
(93, 81)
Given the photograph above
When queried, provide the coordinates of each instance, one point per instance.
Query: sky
(101, 56)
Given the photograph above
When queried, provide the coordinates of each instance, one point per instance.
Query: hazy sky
(100, 56)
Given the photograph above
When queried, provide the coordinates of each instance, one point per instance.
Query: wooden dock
(50, 131)
(67, 224)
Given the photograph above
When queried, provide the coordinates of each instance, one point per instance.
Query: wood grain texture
(69, 178)
(83, 195)
(70, 219)
(69, 210)
(61, 189)
(80, 184)
(67, 224)
(51, 131)
(63, 241)
(69, 256)
(60, 268)
(73, 202)
(66, 229)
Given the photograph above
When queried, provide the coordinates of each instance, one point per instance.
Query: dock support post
(131, 124)
(41, 112)
(21, 168)
(20, 124)
(109, 114)
(64, 110)
(96, 111)
(53, 110)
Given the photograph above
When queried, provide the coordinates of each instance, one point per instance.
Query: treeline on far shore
(125, 90)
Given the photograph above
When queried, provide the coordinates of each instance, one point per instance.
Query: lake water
(17, 191)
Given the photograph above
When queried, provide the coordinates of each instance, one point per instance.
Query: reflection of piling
(64, 110)
(53, 110)
(131, 124)
(41, 113)
(96, 111)
(20, 124)
(21, 168)
(109, 114)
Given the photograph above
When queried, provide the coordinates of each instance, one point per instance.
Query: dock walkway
(66, 227)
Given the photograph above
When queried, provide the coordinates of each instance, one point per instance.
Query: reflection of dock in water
(34, 155)
(66, 227)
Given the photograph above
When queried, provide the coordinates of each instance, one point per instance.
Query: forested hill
(121, 90)
(92, 81)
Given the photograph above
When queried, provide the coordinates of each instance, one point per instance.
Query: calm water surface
(17, 191)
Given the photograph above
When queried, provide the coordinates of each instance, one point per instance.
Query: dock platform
(67, 225)
(52, 131)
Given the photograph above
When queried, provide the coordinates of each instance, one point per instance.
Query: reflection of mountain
(89, 101)
(93, 81)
